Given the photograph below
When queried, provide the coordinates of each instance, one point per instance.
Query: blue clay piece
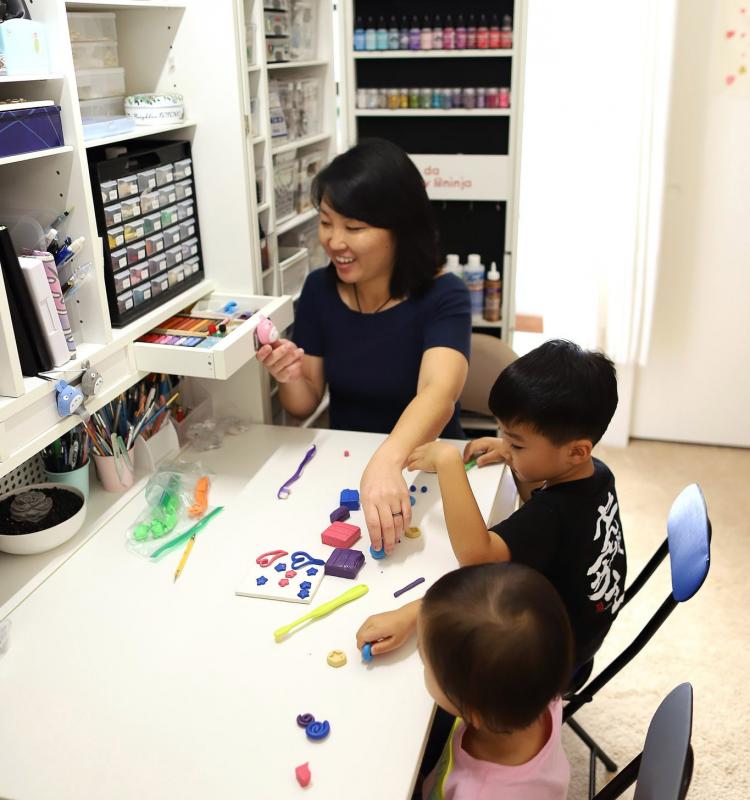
(312, 571)
(423, 489)
(412, 500)
(318, 730)
(367, 652)
(377, 553)
(305, 585)
(303, 594)
(260, 581)
(280, 567)
(412, 488)
(350, 499)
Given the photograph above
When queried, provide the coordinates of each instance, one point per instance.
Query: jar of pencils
(66, 460)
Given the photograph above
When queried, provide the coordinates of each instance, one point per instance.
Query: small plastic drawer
(152, 224)
(102, 107)
(294, 267)
(133, 230)
(136, 252)
(90, 26)
(127, 186)
(191, 266)
(172, 236)
(164, 175)
(154, 244)
(95, 55)
(167, 196)
(169, 216)
(139, 273)
(183, 169)
(160, 284)
(187, 229)
(176, 275)
(174, 256)
(125, 302)
(131, 208)
(157, 265)
(149, 202)
(122, 281)
(116, 237)
(141, 294)
(113, 215)
(228, 353)
(109, 191)
(96, 83)
(147, 180)
(185, 209)
(118, 259)
(183, 189)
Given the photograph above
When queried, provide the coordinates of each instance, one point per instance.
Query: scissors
(266, 559)
(302, 559)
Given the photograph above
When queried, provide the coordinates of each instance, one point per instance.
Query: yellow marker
(352, 594)
(185, 555)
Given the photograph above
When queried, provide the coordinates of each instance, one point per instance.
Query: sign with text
(464, 177)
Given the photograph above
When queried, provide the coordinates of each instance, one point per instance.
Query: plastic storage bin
(92, 27)
(28, 127)
(277, 50)
(102, 107)
(284, 184)
(303, 31)
(293, 268)
(276, 23)
(95, 55)
(310, 164)
(96, 83)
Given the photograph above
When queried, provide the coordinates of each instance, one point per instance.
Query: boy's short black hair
(560, 390)
(376, 182)
(499, 643)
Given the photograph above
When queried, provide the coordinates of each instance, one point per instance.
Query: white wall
(696, 385)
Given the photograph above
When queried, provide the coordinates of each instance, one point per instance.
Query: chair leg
(596, 752)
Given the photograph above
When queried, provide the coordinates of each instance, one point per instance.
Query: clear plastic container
(277, 50)
(90, 26)
(96, 83)
(310, 164)
(308, 93)
(304, 31)
(293, 268)
(136, 252)
(95, 55)
(276, 23)
(284, 186)
(102, 107)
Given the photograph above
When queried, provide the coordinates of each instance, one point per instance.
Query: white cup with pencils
(67, 460)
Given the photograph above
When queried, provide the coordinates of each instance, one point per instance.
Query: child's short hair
(560, 390)
(499, 643)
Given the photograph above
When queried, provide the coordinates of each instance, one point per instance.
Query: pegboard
(30, 472)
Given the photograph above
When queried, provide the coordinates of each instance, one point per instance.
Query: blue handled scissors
(302, 559)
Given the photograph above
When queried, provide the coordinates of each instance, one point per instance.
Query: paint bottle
(506, 33)
(492, 294)
(471, 33)
(474, 279)
(393, 35)
(449, 34)
(361, 98)
(425, 42)
(359, 35)
(371, 34)
(403, 98)
(481, 97)
(460, 33)
(494, 33)
(504, 97)
(469, 97)
(413, 98)
(437, 34)
(437, 98)
(457, 99)
(483, 33)
(403, 34)
(453, 265)
(382, 35)
(415, 34)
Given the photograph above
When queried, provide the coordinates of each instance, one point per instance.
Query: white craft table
(121, 684)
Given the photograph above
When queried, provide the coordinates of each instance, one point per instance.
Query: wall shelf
(52, 151)
(52, 76)
(295, 221)
(297, 64)
(433, 112)
(113, 5)
(139, 132)
(307, 140)
(505, 53)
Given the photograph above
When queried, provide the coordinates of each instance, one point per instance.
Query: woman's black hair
(376, 182)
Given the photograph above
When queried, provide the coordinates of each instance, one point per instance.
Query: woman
(380, 325)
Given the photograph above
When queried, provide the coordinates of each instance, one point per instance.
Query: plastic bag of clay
(176, 496)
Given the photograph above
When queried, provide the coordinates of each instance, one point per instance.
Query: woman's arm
(442, 375)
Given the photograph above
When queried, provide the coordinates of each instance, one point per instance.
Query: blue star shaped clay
(260, 581)
(312, 571)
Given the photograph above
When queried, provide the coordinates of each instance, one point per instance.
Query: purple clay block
(345, 563)
(340, 514)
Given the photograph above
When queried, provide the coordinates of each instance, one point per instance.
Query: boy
(553, 405)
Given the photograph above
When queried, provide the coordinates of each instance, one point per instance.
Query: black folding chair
(665, 767)
(688, 545)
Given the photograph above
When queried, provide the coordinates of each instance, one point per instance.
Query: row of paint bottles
(485, 293)
(432, 34)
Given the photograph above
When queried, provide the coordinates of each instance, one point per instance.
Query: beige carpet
(705, 641)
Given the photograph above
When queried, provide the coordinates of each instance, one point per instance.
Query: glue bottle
(474, 278)
(453, 265)
(492, 296)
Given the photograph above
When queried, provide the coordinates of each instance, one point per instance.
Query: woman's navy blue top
(371, 361)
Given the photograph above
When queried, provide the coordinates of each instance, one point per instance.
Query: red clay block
(340, 534)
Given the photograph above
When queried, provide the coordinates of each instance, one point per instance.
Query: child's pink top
(459, 776)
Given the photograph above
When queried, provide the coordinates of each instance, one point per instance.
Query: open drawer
(229, 353)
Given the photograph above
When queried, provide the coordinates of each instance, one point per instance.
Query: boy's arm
(471, 541)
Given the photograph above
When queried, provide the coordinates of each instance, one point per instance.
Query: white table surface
(120, 683)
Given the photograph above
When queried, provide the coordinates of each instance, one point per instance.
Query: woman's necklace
(359, 307)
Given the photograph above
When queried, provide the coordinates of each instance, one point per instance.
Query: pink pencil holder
(109, 478)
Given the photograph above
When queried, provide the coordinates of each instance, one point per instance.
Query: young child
(553, 405)
(497, 651)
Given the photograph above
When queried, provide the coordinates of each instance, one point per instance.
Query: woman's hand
(427, 457)
(283, 360)
(388, 631)
(385, 502)
(487, 450)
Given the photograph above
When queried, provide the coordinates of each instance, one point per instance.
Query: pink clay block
(340, 534)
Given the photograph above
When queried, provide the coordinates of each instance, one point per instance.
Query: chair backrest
(489, 357)
(663, 770)
(689, 540)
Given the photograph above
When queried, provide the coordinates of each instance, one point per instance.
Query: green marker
(188, 533)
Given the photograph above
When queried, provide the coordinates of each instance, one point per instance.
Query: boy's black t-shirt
(571, 532)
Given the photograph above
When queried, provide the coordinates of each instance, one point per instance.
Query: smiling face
(360, 252)
(533, 457)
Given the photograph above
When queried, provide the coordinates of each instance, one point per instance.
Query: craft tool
(351, 594)
(183, 560)
(185, 536)
(284, 492)
(470, 464)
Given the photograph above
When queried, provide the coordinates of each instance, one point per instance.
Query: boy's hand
(428, 457)
(487, 450)
(388, 631)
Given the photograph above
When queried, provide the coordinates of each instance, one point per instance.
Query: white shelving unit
(158, 42)
(493, 62)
